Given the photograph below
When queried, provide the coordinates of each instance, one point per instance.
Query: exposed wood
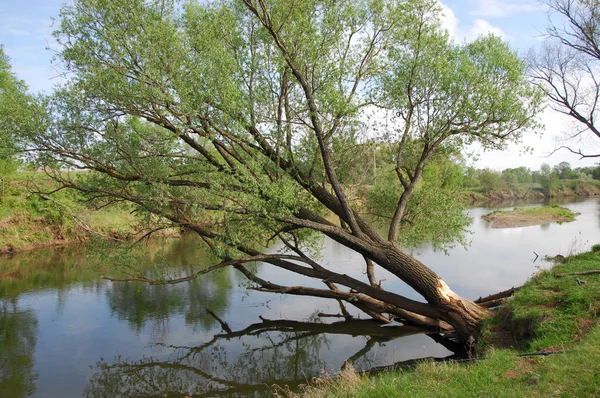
(493, 303)
(595, 271)
(371, 272)
(496, 296)
(325, 315)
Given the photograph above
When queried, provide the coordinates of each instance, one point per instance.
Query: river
(66, 333)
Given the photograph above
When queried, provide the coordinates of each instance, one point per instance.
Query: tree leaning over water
(237, 119)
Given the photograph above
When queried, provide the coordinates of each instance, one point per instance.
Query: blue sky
(26, 27)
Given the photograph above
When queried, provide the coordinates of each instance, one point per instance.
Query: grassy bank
(28, 221)
(524, 216)
(547, 314)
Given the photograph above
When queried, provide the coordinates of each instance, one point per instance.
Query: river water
(64, 332)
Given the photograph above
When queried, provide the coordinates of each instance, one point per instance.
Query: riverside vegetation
(524, 216)
(554, 313)
(29, 221)
(244, 122)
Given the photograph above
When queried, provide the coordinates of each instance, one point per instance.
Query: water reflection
(46, 268)
(140, 304)
(18, 337)
(245, 362)
(164, 342)
(143, 305)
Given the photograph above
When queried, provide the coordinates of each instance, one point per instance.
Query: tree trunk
(464, 315)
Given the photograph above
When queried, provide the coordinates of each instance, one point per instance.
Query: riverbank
(550, 314)
(526, 216)
(29, 221)
(567, 188)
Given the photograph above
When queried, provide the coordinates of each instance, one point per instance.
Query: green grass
(547, 313)
(560, 308)
(541, 210)
(502, 374)
(28, 221)
(576, 183)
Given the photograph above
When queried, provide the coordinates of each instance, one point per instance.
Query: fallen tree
(251, 121)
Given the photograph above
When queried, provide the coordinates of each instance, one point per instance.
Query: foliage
(20, 115)
(563, 170)
(490, 180)
(433, 215)
(522, 179)
(28, 220)
(245, 121)
(517, 175)
(11, 98)
(548, 178)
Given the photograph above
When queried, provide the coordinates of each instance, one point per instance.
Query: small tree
(563, 170)
(232, 119)
(568, 66)
(548, 178)
(490, 180)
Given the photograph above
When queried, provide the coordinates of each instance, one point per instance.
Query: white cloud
(483, 27)
(500, 8)
(452, 24)
(449, 20)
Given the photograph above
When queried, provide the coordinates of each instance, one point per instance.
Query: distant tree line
(547, 177)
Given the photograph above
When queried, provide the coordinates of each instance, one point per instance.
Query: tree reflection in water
(142, 304)
(246, 362)
(18, 337)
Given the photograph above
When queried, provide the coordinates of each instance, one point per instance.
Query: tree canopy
(237, 119)
(19, 117)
